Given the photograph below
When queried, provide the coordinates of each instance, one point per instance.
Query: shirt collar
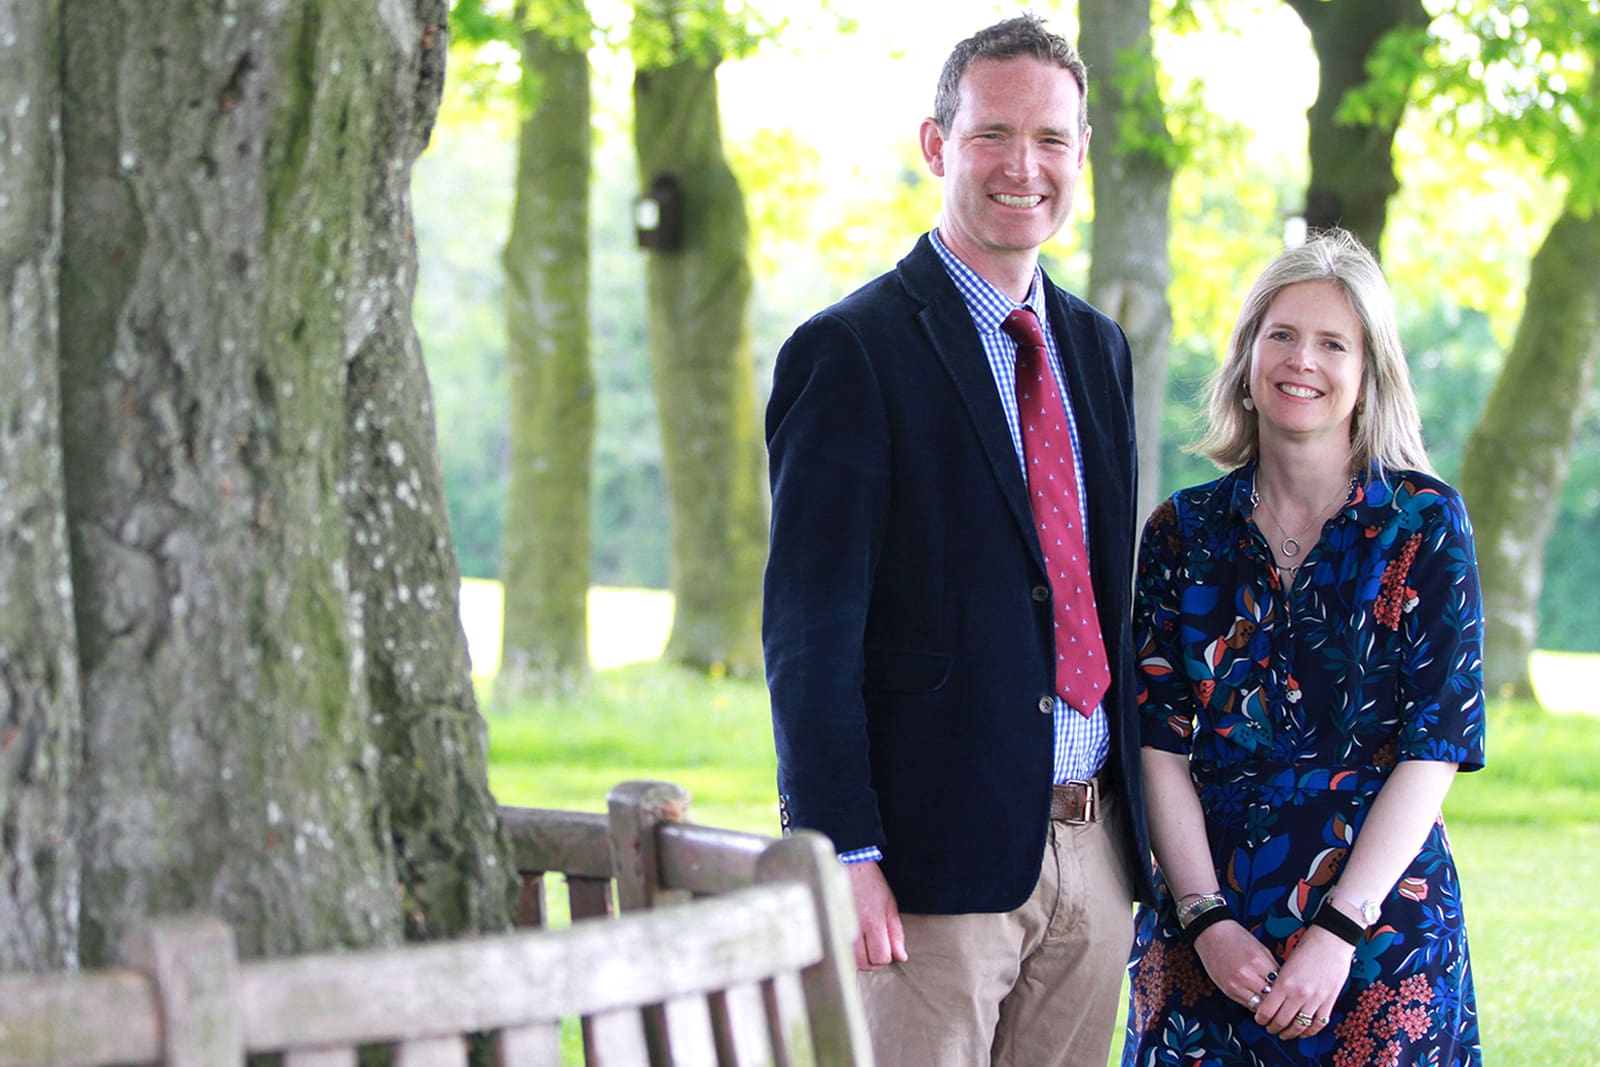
(987, 304)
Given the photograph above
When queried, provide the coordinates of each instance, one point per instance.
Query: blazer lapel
(948, 329)
(1089, 387)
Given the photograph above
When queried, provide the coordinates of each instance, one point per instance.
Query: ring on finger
(1302, 1019)
(1323, 1020)
(1254, 1002)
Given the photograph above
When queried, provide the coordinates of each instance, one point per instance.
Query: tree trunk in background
(1132, 155)
(545, 552)
(699, 296)
(1352, 165)
(40, 718)
(1517, 458)
(277, 720)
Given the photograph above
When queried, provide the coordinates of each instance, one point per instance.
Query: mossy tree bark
(1133, 159)
(40, 711)
(1518, 456)
(1352, 163)
(699, 296)
(277, 722)
(545, 552)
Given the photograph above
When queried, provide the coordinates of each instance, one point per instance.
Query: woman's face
(1306, 365)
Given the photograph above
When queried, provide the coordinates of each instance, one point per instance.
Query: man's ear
(932, 139)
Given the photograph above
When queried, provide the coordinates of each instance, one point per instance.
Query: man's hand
(882, 938)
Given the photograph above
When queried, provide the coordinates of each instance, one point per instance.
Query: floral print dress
(1293, 705)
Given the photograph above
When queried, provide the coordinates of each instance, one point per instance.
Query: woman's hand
(1312, 976)
(1238, 964)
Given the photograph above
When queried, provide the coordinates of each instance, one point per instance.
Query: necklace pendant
(1290, 547)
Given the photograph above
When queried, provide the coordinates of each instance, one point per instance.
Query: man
(921, 656)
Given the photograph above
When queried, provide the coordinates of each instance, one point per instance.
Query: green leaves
(1518, 72)
(667, 32)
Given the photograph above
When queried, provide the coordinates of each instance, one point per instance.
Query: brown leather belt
(1075, 802)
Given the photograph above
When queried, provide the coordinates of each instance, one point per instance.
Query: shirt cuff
(861, 855)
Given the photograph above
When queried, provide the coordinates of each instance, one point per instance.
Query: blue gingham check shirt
(1082, 743)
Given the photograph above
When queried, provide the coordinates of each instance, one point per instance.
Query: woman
(1310, 629)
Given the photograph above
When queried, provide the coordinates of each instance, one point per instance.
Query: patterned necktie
(1081, 671)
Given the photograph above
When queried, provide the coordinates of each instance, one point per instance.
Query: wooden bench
(734, 950)
(730, 967)
(641, 854)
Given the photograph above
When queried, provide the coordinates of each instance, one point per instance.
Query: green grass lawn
(1526, 830)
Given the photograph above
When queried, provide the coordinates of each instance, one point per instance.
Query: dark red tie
(1081, 672)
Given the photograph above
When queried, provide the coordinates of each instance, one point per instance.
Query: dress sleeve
(1430, 589)
(1166, 705)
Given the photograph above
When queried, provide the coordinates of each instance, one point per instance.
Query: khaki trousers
(1035, 987)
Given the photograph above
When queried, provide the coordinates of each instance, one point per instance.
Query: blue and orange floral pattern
(1293, 705)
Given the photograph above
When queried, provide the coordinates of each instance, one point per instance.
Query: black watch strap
(1204, 921)
(1338, 924)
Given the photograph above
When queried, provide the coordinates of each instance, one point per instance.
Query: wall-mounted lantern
(658, 216)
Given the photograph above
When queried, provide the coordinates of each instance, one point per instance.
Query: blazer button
(1047, 704)
(1041, 593)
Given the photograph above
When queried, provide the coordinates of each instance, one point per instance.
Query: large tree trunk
(277, 720)
(1517, 458)
(1352, 164)
(700, 353)
(453, 864)
(40, 723)
(545, 551)
(1132, 152)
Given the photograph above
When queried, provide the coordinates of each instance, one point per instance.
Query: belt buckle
(1087, 811)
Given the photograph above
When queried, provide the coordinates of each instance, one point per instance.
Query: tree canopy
(1471, 209)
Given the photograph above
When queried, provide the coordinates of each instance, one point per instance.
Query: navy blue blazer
(908, 648)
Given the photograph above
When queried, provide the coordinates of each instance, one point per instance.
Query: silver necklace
(1290, 546)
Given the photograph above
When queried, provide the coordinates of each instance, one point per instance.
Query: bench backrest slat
(345, 1056)
(538, 1045)
(589, 898)
(544, 839)
(705, 861)
(432, 1052)
(739, 1024)
(81, 1020)
(616, 1037)
(650, 957)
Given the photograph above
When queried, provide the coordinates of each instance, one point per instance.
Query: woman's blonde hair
(1386, 429)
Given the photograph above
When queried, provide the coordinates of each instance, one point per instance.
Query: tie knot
(1022, 326)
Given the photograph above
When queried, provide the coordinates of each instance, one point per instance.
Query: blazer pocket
(899, 670)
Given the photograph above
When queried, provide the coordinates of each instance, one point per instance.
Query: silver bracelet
(1195, 905)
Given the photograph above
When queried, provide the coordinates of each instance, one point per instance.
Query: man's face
(1010, 160)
